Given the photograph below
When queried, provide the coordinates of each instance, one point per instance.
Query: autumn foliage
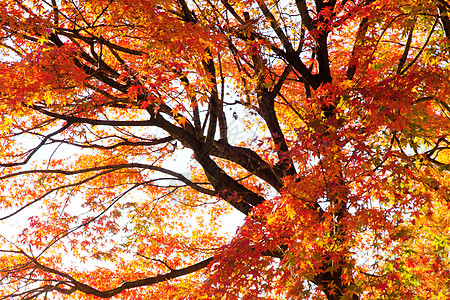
(222, 149)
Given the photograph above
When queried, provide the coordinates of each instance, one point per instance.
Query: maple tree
(132, 130)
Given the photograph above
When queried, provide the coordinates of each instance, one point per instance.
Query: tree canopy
(135, 133)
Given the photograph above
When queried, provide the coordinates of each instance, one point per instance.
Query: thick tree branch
(360, 36)
(74, 34)
(304, 14)
(313, 80)
(232, 11)
(402, 60)
(214, 105)
(188, 14)
(90, 71)
(225, 186)
(223, 129)
(276, 27)
(266, 101)
(421, 49)
(445, 17)
(249, 160)
(82, 287)
(74, 285)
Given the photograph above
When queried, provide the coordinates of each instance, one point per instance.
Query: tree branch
(44, 140)
(82, 287)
